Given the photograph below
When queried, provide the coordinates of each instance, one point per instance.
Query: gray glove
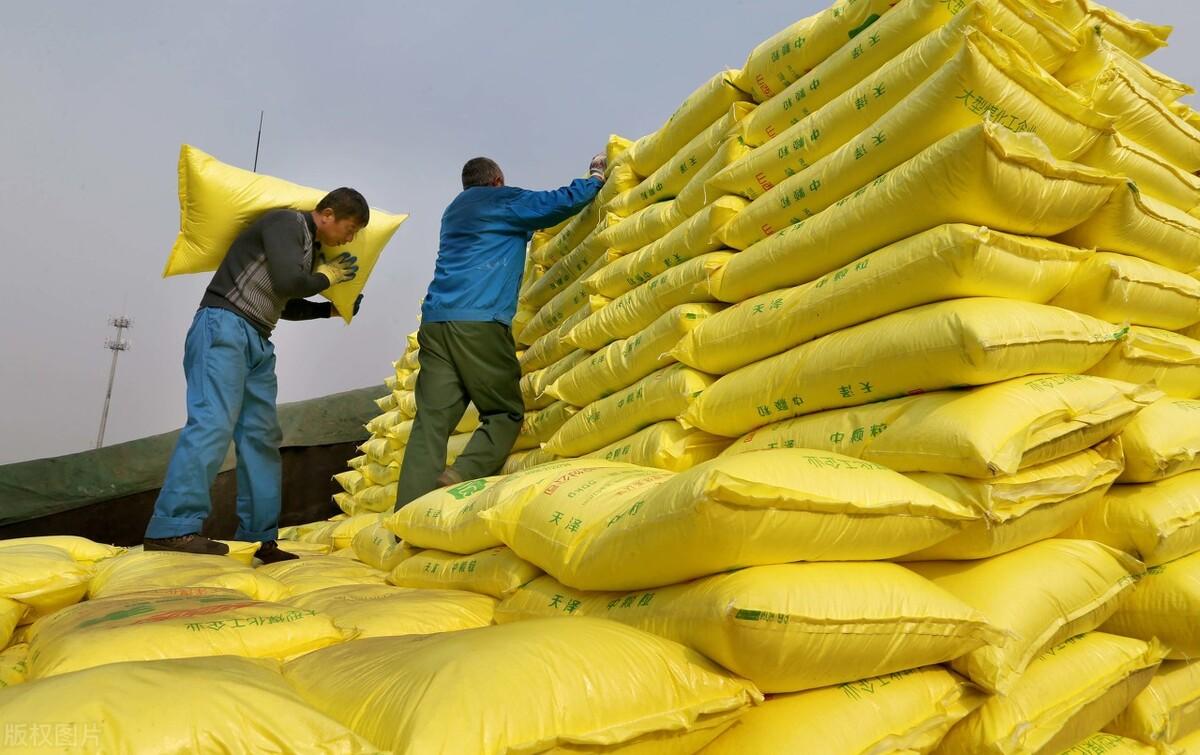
(598, 166)
(342, 269)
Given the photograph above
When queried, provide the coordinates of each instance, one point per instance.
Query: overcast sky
(388, 97)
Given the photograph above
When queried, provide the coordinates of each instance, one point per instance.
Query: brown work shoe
(270, 553)
(450, 476)
(186, 544)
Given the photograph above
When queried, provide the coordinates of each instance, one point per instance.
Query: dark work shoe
(186, 544)
(450, 476)
(270, 553)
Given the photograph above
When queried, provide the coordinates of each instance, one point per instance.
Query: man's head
(482, 171)
(340, 215)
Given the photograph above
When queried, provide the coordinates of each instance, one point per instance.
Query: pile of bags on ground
(862, 418)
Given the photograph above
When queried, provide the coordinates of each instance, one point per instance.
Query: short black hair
(346, 203)
(480, 171)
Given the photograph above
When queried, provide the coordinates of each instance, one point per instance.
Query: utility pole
(116, 346)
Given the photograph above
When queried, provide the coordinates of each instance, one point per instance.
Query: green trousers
(461, 363)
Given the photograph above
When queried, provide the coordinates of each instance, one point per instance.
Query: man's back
(481, 255)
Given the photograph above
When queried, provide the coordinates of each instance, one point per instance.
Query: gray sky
(390, 98)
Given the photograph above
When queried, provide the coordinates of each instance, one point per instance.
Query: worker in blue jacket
(467, 353)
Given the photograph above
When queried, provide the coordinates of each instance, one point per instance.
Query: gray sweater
(269, 270)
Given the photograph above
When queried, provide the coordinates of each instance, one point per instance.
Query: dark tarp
(48, 486)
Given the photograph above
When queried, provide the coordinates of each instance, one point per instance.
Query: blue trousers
(231, 390)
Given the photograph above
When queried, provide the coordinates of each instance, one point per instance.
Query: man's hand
(340, 270)
(598, 166)
(335, 312)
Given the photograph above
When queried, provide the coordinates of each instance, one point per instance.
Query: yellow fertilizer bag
(1066, 695)
(341, 534)
(948, 262)
(218, 201)
(1110, 744)
(140, 571)
(616, 148)
(565, 303)
(1157, 522)
(1042, 594)
(668, 180)
(792, 52)
(664, 445)
(85, 552)
(907, 711)
(551, 347)
(386, 611)
(1023, 508)
(1137, 38)
(14, 665)
(695, 196)
(913, 351)
(377, 547)
(1003, 180)
(636, 310)
(984, 432)
(406, 402)
(497, 572)
(376, 499)
(914, 26)
(788, 141)
(318, 572)
(535, 385)
(525, 687)
(642, 227)
(1119, 288)
(11, 614)
(1154, 175)
(787, 627)
(447, 518)
(990, 80)
(568, 269)
(351, 481)
(379, 474)
(380, 450)
(173, 623)
(620, 179)
(241, 550)
(1163, 441)
(1167, 709)
(1139, 225)
(541, 426)
(706, 104)
(1189, 743)
(696, 236)
(43, 578)
(662, 395)
(523, 460)
(1186, 112)
(1169, 361)
(630, 359)
(1097, 55)
(1143, 117)
(606, 529)
(183, 705)
(1165, 604)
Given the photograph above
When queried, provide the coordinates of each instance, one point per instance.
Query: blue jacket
(482, 253)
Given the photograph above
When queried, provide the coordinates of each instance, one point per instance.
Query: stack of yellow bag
(369, 485)
(869, 381)
(952, 246)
